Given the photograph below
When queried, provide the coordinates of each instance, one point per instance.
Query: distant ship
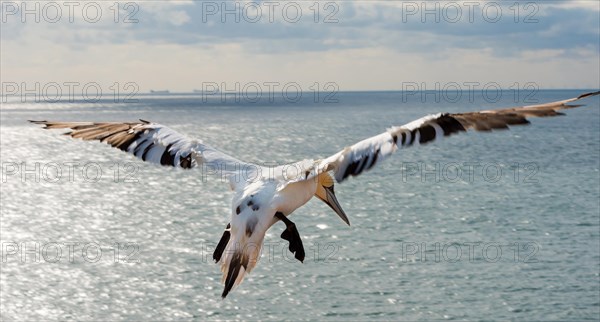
(159, 92)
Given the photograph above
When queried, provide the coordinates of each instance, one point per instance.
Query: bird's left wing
(363, 155)
(154, 143)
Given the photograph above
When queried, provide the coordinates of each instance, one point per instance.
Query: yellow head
(326, 193)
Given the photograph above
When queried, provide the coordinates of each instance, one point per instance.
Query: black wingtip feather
(427, 133)
(450, 125)
(45, 123)
(588, 95)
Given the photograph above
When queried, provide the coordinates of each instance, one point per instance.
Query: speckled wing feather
(153, 143)
(363, 155)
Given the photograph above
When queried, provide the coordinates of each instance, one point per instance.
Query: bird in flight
(262, 196)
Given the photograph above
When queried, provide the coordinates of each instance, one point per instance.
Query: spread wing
(154, 143)
(363, 155)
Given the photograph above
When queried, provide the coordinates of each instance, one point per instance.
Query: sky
(356, 45)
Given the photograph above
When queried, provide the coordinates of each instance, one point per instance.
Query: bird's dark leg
(222, 244)
(291, 234)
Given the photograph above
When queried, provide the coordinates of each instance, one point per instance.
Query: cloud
(217, 40)
(428, 25)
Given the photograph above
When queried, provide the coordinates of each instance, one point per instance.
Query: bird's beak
(332, 202)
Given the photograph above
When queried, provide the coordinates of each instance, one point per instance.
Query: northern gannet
(263, 196)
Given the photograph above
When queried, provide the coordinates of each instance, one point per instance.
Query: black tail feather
(235, 266)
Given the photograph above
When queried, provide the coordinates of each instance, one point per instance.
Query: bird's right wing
(157, 144)
(363, 155)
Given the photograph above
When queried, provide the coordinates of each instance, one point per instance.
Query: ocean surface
(479, 226)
